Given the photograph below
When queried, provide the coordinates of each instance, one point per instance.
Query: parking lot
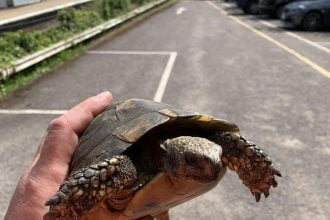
(301, 42)
(205, 56)
(319, 39)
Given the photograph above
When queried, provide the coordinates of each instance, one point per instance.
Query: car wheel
(252, 7)
(312, 21)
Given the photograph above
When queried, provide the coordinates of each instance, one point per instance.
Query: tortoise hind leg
(90, 185)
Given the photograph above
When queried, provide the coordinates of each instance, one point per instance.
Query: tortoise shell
(139, 158)
(122, 124)
(128, 126)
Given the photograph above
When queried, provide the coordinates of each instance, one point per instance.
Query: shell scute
(132, 130)
(133, 108)
(173, 113)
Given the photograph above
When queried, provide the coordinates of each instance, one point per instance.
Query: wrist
(28, 199)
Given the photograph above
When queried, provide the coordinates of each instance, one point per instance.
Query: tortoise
(139, 158)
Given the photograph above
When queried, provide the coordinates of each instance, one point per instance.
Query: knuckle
(59, 123)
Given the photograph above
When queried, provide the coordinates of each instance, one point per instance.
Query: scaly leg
(253, 166)
(108, 179)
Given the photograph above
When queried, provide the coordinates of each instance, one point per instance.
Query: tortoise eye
(227, 139)
(192, 160)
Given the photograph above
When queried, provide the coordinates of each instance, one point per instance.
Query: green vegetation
(16, 81)
(18, 44)
(140, 2)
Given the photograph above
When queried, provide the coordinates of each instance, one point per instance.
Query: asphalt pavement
(227, 65)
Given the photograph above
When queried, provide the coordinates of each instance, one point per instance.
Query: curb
(39, 56)
(33, 14)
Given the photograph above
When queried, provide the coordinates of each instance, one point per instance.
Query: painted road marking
(323, 43)
(304, 59)
(122, 52)
(298, 37)
(180, 10)
(167, 71)
(216, 7)
(157, 97)
(268, 24)
(228, 5)
(32, 112)
(164, 79)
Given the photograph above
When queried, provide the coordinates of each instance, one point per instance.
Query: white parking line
(296, 36)
(166, 75)
(314, 44)
(267, 37)
(157, 97)
(124, 52)
(323, 43)
(228, 5)
(31, 112)
(167, 71)
(268, 24)
(180, 10)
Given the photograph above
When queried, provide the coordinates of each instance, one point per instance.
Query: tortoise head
(253, 166)
(192, 158)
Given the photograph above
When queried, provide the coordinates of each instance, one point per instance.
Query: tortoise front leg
(253, 166)
(106, 180)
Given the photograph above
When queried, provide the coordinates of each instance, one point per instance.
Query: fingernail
(105, 94)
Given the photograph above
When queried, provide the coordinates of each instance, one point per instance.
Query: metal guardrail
(39, 56)
(37, 13)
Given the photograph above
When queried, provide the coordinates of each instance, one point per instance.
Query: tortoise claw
(276, 172)
(257, 196)
(55, 200)
(274, 183)
(266, 194)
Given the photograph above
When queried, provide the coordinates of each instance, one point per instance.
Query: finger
(78, 117)
(56, 152)
(81, 115)
(62, 135)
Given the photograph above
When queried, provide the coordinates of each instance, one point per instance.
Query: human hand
(49, 167)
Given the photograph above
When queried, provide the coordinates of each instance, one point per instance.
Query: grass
(27, 76)
(23, 78)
